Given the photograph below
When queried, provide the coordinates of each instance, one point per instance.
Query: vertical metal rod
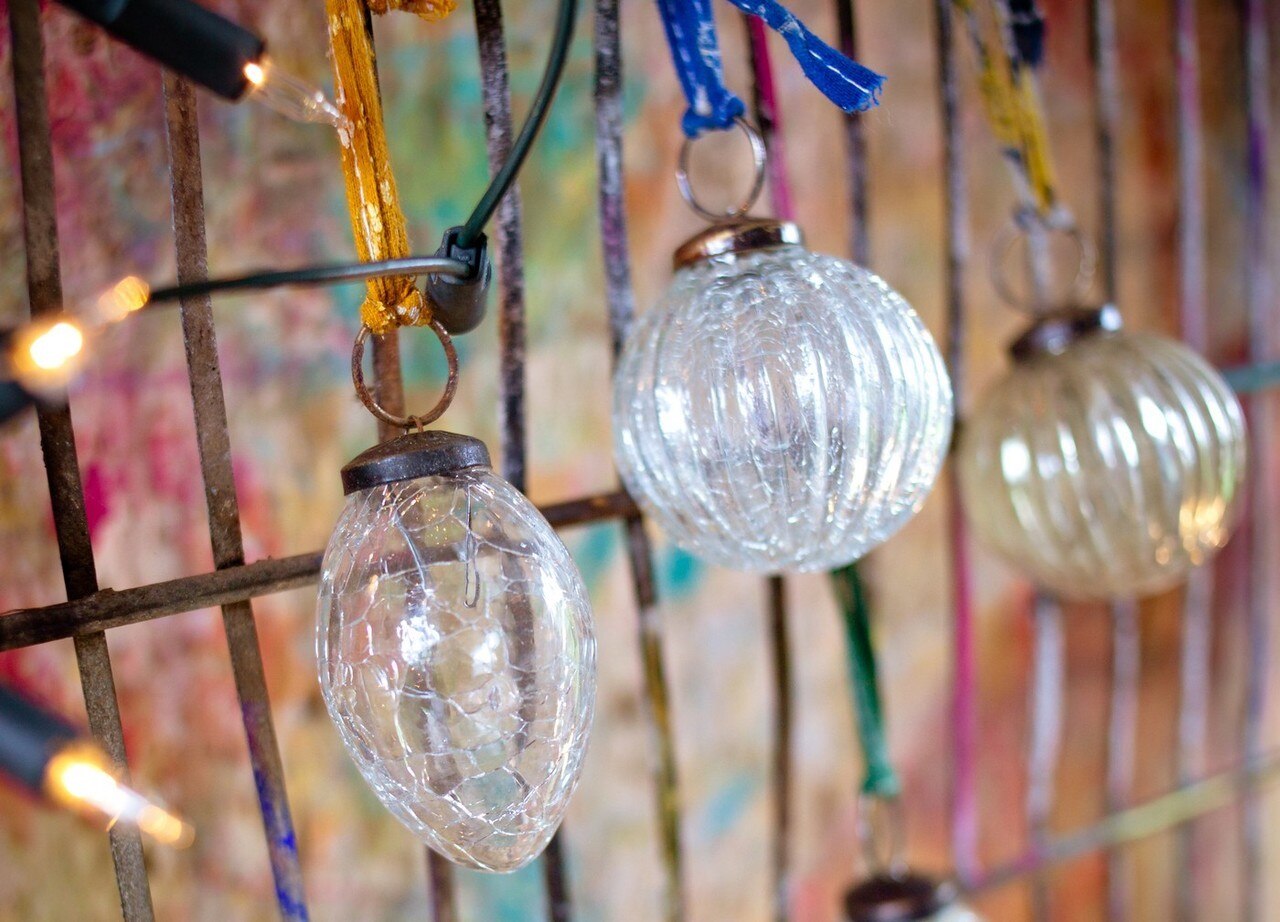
(1122, 727)
(964, 720)
(1045, 742)
(1102, 48)
(57, 439)
(1125, 637)
(214, 446)
(511, 335)
(1197, 602)
(621, 308)
(1262, 500)
(855, 144)
(768, 117)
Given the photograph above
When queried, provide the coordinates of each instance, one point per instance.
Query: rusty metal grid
(90, 611)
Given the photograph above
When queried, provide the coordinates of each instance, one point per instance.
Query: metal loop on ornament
(759, 155)
(882, 834)
(1022, 227)
(405, 422)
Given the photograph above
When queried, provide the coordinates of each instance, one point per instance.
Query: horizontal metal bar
(1139, 822)
(110, 608)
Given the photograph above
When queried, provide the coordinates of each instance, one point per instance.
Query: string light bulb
(51, 758)
(46, 354)
(289, 95)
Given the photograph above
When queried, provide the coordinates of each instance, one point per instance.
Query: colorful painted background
(275, 199)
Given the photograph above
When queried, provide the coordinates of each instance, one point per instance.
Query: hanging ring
(881, 834)
(759, 156)
(1022, 227)
(405, 422)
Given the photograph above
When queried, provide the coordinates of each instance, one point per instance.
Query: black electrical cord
(502, 180)
(313, 275)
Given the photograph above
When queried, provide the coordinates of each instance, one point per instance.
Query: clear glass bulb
(457, 659)
(780, 410)
(1109, 469)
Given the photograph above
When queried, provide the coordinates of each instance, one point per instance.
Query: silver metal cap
(1054, 332)
(413, 455)
(740, 235)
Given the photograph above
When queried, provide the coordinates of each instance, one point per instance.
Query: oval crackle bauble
(456, 650)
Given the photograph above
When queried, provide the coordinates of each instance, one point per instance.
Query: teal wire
(881, 780)
(538, 109)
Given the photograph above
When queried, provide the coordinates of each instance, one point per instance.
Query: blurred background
(275, 197)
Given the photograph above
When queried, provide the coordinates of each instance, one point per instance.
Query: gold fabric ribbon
(377, 220)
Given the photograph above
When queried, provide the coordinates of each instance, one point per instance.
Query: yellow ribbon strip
(1014, 110)
(430, 10)
(376, 218)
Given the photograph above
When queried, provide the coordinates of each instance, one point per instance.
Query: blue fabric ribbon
(691, 33)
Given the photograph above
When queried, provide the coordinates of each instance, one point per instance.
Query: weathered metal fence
(90, 611)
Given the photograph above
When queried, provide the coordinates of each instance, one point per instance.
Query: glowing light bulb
(120, 300)
(1105, 463)
(290, 96)
(456, 650)
(44, 356)
(779, 409)
(81, 778)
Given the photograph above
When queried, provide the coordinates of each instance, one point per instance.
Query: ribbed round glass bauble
(779, 409)
(456, 653)
(1104, 465)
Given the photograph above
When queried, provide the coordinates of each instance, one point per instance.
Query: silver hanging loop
(760, 156)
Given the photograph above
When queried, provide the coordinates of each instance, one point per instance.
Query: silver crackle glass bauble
(456, 650)
(1105, 463)
(778, 409)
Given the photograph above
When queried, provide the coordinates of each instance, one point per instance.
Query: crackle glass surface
(780, 410)
(1108, 470)
(457, 659)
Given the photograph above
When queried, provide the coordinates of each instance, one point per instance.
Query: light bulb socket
(731, 238)
(432, 453)
(29, 737)
(183, 36)
(1054, 333)
(897, 898)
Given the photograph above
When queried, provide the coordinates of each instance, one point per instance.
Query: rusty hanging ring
(405, 422)
(759, 155)
(1021, 229)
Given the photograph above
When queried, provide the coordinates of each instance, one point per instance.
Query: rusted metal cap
(1054, 332)
(413, 455)
(897, 898)
(738, 236)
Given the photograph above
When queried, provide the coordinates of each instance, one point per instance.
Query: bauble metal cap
(740, 235)
(1054, 332)
(897, 898)
(413, 455)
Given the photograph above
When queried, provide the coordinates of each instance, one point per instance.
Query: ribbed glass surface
(1109, 470)
(457, 659)
(780, 410)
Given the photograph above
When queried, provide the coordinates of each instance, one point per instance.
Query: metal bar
(621, 309)
(855, 144)
(511, 337)
(214, 447)
(1197, 603)
(964, 721)
(1262, 500)
(110, 608)
(1125, 637)
(1122, 727)
(1134, 823)
(1045, 741)
(768, 118)
(57, 439)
